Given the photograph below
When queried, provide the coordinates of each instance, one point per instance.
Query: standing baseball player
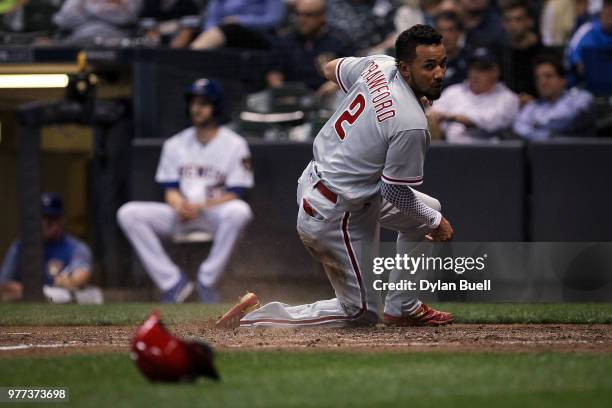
(206, 173)
(367, 157)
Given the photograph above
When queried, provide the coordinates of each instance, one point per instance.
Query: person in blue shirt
(557, 111)
(239, 24)
(302, 53)
(67, 261)
(483, 25)
(595, 35)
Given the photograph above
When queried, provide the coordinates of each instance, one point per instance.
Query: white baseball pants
(145, 222)
(88, 295)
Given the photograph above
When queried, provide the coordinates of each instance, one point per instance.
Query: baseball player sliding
(206, 172)
(366, 159)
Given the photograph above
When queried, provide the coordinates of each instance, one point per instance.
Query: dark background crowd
(532, 70)
(529, 69)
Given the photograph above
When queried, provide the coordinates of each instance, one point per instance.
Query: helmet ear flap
(160, 356)
(202, 356)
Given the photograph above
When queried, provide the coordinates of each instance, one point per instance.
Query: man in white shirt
(206, 173)
(477, 109)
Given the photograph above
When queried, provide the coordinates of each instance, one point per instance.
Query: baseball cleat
(246, 304)
(179, 292)
(424, 316)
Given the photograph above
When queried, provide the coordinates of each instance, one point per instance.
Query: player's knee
(126, 214)
(239, 213)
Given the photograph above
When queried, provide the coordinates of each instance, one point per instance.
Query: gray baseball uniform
(379, 133)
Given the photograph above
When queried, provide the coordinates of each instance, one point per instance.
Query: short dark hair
(519, 4)
(607, 2)
(449, 16)
(552, 59)
(408, 40)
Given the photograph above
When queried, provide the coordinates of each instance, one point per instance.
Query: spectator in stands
(557, 111)
(483, 26)
(239, 24)
(594, 36)
(172, 22)
(89, 21)
(447, 5)
(449, 24)
(27, 17)
(413, 12)
(67, 262)
(304, 51)
(409, 13)
(478, 109)
(559, 19)
(368, 22)
(522, 46)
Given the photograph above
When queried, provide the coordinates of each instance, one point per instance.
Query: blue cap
(209, 89)
(52, 205)
(482, 58)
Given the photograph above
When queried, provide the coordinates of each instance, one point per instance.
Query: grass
(333, 379)
(134, 313)
(324, 378)
(113, 314)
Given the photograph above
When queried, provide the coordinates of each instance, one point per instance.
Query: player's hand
(63, 280)
(443, 233)
(188, 211)
(425, 102)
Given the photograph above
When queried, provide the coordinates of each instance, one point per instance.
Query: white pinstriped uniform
(201, 172)
(379, 132)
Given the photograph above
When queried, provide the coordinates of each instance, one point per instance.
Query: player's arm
(77, 279)
(78, 272)
(168, 177)
(345, 71)
(403, 198)
(175, 199)
(329, 70)
(404, 168)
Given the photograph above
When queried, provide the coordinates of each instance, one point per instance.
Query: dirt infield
(42, 340)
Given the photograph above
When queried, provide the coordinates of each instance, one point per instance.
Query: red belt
(327, 193)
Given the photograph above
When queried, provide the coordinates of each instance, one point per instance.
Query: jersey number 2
(350, 115)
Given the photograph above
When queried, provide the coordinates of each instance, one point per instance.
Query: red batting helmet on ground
(160, 356)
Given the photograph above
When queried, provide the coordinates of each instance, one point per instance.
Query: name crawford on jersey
(379, 91)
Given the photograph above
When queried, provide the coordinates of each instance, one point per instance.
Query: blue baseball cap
(210, 90)
(482, 58)
(52, 205)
